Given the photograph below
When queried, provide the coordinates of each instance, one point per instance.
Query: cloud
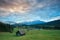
(15, 5)
(21, 6)
(38, 9)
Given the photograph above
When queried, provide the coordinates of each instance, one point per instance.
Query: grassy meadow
(32, 35)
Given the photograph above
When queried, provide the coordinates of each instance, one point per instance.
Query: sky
(29, 10)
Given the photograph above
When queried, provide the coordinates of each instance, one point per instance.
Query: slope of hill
(55, 22)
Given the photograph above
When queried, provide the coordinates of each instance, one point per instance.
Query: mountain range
(55, 22)
(33, 22)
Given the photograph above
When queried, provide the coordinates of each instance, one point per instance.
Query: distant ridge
(55, 22)
(34, 22)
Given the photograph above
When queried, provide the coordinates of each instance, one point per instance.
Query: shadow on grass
(17, 36)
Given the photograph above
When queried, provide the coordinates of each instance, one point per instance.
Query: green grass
(32, 35)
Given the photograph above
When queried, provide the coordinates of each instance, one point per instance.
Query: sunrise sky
(29, 10)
